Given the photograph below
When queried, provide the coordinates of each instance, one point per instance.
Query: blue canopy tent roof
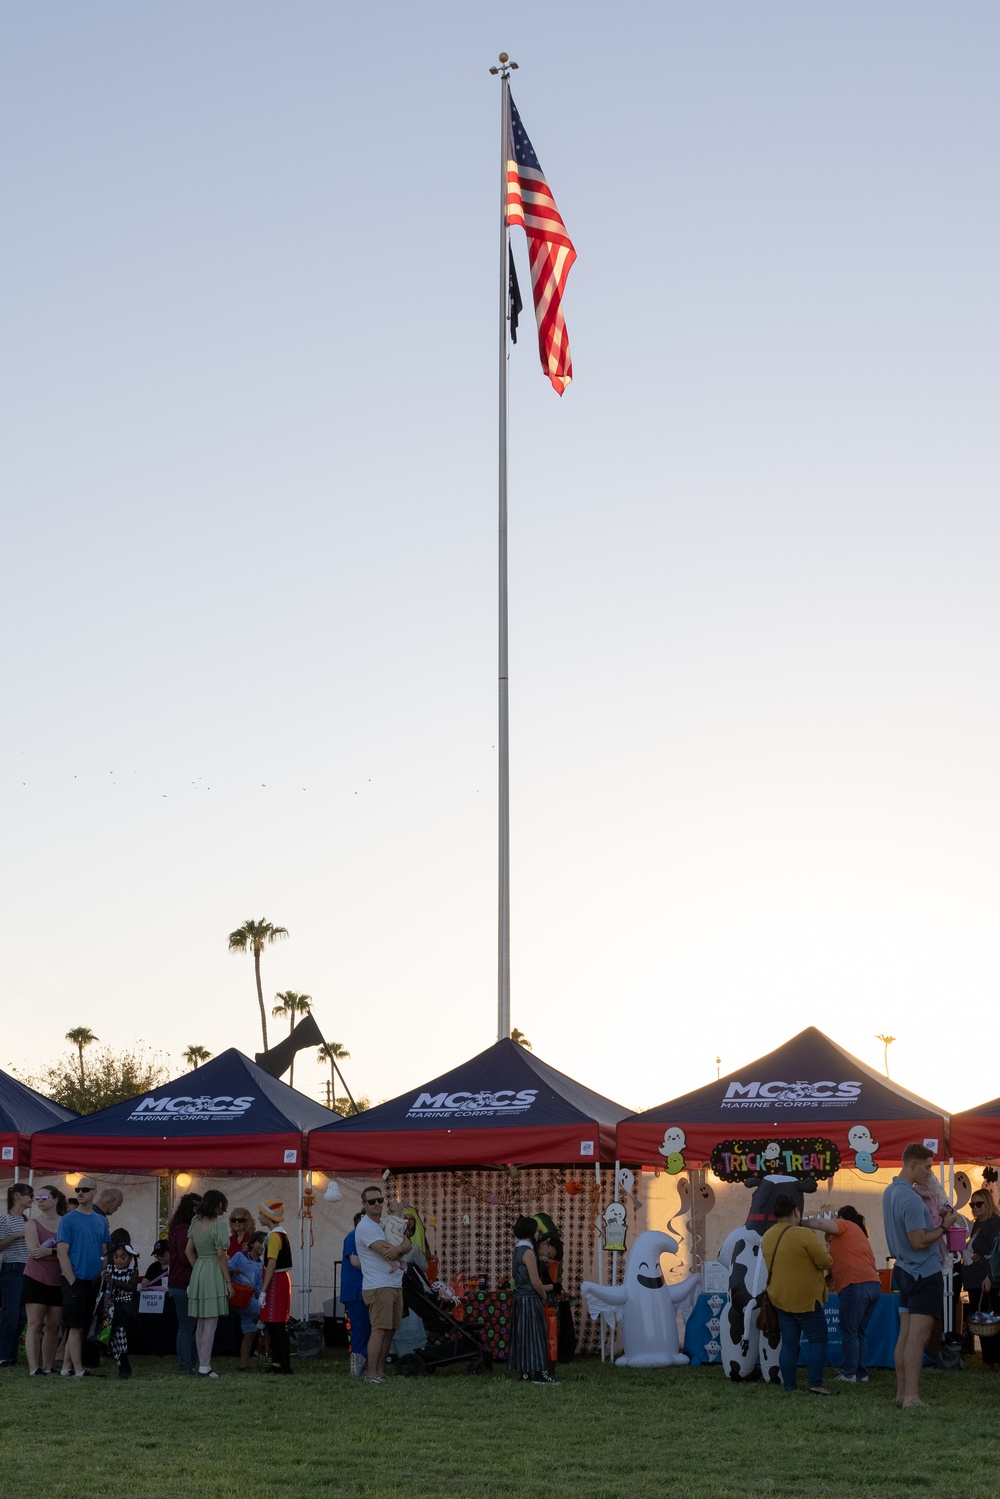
(228, 1114)
(808, 1086)
(503, 1107)
(22, 1111)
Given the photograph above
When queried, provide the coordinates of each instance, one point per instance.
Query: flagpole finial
(506, 66)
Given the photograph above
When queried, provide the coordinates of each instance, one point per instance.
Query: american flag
(550, 250)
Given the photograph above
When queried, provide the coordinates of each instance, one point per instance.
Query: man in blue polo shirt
(80, 1244)
(914, 1240)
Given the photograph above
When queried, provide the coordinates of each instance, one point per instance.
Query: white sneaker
(847, 1379)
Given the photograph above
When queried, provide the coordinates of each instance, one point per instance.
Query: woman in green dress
(210, 1287)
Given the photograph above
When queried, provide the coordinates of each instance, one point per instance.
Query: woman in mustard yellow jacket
(796, 1261)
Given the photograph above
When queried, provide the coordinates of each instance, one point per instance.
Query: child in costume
(121, 1279)
(246, 1270)
(276, 1289)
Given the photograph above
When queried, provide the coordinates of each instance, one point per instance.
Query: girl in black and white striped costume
(121, 1278)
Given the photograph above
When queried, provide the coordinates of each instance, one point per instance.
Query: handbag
(766, 1319)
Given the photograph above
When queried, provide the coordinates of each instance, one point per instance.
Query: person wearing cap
(80, 1244)
(276, 1286)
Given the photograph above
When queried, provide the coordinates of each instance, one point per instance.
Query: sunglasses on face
(373, 1201)
(85, 1189)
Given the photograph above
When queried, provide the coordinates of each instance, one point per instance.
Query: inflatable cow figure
(741, 1340)
(644, 1304)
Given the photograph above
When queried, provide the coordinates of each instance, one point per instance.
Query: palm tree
(332, 1051)
(255, 936)
(520, 1039)
(886, 1043)
(81, 1036)
(292, 1004)
(195, 1055)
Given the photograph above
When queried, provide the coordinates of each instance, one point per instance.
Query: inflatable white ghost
(644, 1304)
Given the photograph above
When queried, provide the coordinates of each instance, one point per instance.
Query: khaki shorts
(385, 1308)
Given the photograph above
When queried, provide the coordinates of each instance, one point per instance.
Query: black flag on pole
(278, 1059)
(514, 295)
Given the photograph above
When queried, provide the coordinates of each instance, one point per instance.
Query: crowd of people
(801, 1267)
(375, 1260)
(66, 1273)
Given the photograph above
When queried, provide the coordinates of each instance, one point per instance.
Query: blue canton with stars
(524, 151)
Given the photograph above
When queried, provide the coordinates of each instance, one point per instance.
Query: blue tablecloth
(701, 1335)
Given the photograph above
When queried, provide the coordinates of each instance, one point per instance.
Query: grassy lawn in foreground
(604, 1433)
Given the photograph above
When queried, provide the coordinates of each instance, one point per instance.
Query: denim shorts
(922, 1296)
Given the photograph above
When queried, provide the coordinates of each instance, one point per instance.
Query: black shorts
(922, 1296)
(78, 1301)
(39, 1292)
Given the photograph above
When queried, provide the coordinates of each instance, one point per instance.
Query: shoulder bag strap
(775, 1254)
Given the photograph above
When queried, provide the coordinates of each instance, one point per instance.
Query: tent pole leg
(307, 1257)
(302, 1241)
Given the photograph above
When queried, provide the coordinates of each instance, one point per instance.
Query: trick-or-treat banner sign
(738, 1160)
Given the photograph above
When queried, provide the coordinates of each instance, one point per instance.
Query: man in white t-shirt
(381, 1280)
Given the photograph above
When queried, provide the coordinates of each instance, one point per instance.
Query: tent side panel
(55, 1152)
(640, 1142)
(975, 1137)
(523, 1145)
(14, 1151)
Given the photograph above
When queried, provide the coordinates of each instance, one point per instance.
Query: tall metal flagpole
(503, 870)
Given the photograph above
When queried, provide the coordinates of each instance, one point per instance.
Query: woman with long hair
(529, 1341)
(983, 1295)
(179, 1277)
(211, 1286)
(40, 1289)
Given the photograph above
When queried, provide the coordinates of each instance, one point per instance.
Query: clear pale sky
(249, 542)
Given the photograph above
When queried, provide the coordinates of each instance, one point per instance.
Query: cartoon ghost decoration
(772, 1155)
(625, 1180)
(645, 1305)
(674, 1141)
(614, 1226)
(963, 1191)
(690, 1195)
(860, 1140)
(699, 1195)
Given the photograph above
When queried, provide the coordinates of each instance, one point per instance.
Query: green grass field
(604, 1433)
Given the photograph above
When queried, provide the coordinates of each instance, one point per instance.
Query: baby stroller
(454, 1343)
